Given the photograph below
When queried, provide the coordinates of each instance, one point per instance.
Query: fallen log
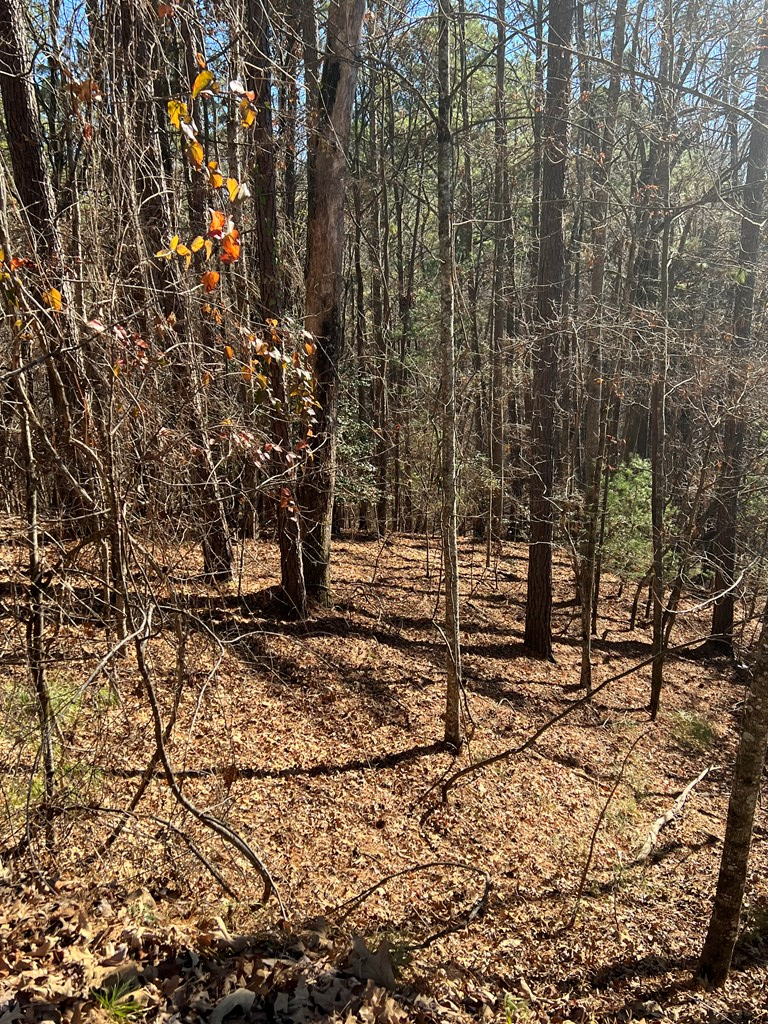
(668, 816)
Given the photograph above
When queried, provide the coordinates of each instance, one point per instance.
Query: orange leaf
(164, 11)
(230, 247)
(210, 280)
(216, 227)
(196, 154)
(247, 116)
(229, 352)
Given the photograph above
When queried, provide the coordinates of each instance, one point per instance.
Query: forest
(384, 511)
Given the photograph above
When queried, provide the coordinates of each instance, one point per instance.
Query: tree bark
(327, 174)
(548, 313)
(716, 956)
(271, 289)
(739, 340)
(448, 375)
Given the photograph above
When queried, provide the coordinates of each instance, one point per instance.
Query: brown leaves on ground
(319, 742)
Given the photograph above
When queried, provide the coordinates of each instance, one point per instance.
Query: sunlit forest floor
(320, 743)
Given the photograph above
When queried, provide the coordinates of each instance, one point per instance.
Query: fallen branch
(229, 835)
(475, 911)
(124, 814)
(668, 816)
(588, 863)
(504, 755)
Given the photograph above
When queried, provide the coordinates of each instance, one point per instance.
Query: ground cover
(319, 742)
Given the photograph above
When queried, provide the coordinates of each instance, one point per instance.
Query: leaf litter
(320, 743)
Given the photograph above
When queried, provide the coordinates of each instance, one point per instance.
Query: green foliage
(692, 732)
(627, 550)
(516, 1009)
(117, 1000)
(755, 930)
(355, 480)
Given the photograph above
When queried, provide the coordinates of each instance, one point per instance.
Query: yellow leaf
(165, 254)
(309, 348)
(202, 81)
(52, 298)
(174, 243)
(197, 243)
(200, 60)
(215, 178)
(233, 186)
(177, 112)
(247, 116)
(182, 250)
(196, 154)
(208, 248)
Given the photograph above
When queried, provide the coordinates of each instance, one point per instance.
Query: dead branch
(668, 816)
(475, 911)
(210, 821)
(125, 813)
(604, 810)
(504, 755)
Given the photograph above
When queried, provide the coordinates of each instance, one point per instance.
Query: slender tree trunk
(660, 373)
(501, 231)
(723, 931)
(595, 414)
(740, 339)
(548, 313)
(327, 175)
(448, 374)
(271, 288)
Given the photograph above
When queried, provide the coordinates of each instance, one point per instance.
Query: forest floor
(319, 742)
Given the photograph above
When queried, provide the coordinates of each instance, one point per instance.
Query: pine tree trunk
(448, 375)
(548, 312)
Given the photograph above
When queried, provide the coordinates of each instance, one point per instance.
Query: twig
(668, 816)
(124, 814)
(504, 755)
(210, 821)
(475, 911)
(604, 810)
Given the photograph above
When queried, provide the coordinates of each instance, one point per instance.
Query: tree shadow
(643, 967)
(377, 762)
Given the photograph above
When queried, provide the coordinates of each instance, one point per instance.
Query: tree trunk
(500, 283)
(595, 414)
(723, 931)
(548, 312)
(729, 484)
(271, 289)
(448, 375)
(327, 174)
